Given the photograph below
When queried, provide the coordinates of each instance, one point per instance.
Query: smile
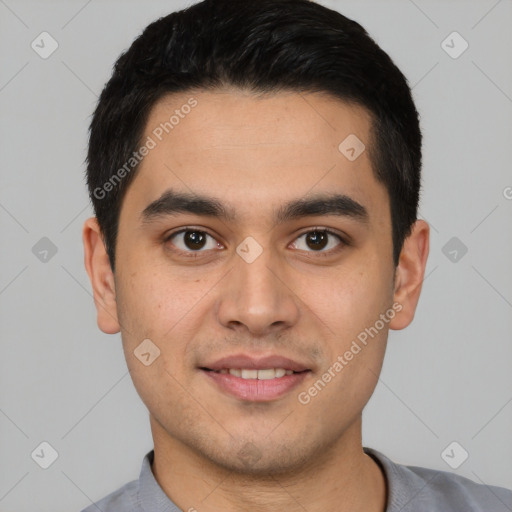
(251, 373)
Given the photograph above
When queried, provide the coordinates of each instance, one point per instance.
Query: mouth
(255, 379)
(253, 374)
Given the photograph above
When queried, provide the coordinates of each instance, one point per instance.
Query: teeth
(266, 374)
(249, 374)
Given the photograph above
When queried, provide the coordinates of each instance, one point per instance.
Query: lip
(256, 363)
(255, 390)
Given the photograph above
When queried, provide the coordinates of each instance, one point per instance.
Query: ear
(409, 274)
(100, 273)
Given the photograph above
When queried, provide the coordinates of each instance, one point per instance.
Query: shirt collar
(404, 486)
(151, 496)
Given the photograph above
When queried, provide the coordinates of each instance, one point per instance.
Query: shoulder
(442, 489)
(414, 488)
(123, 499)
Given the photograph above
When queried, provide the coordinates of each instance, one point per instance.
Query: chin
(258, 460)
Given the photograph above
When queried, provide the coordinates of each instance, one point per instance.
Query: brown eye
(192, 240)
(317, 240)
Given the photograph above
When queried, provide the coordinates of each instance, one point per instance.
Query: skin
(255, 153)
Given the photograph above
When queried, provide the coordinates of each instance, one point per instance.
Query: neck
(342, 478)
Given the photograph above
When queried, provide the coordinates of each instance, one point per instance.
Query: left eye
(318, 239)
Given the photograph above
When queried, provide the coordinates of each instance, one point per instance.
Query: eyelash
(196, 254)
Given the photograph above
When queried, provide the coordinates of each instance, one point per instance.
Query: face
(283, 265)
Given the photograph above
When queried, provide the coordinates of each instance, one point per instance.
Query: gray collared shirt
(411, 489)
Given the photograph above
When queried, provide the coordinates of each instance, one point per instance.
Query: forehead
(256, 151)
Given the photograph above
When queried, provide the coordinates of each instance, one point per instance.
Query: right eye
(191, 240)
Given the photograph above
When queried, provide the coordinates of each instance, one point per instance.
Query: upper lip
(254, 362)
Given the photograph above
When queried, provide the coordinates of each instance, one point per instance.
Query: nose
(258, 297)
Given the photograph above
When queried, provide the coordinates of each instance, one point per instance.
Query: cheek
(348, 308)
(346, 382)
(168, 310)
(157, 307)
(350, 300)
(152, 303)
(164, 392)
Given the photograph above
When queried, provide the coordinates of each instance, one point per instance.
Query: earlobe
(100, 274)
(410, 273)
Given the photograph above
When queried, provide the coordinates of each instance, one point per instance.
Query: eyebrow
(172, 203)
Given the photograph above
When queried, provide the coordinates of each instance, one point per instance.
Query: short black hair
(266, 46)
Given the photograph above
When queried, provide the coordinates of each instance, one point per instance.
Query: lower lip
(255, 390)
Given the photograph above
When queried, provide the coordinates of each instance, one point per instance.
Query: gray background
(446, 377)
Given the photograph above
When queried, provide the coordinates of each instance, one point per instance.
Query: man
(255, 173)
